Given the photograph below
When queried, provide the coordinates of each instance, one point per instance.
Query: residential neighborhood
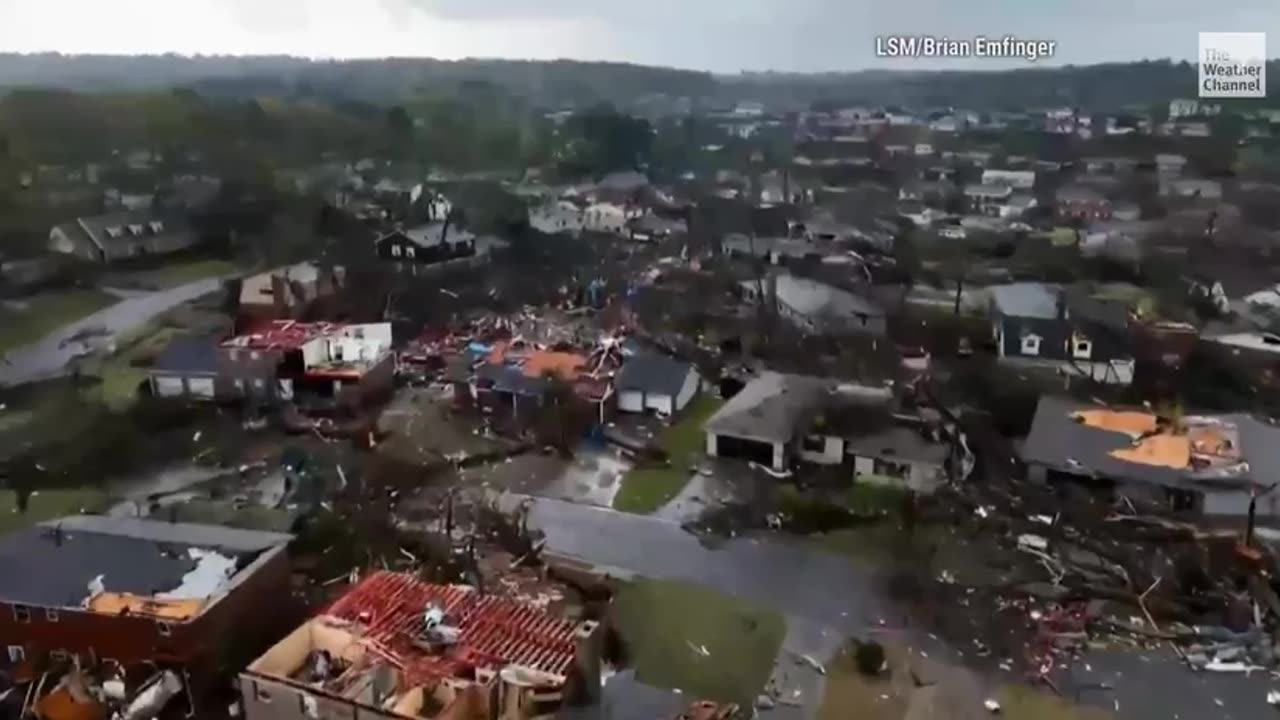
(497, 390)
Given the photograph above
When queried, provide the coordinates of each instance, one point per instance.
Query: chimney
(280, 296)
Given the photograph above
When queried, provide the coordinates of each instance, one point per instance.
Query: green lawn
(644, 489)
(45, 313)
(180, 273)
(666, 625)
(48, 504)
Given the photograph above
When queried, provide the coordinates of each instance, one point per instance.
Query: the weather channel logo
(1233, 64)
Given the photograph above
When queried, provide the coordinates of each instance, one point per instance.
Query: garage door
(743, 449)
(201, 387)
(169, 386)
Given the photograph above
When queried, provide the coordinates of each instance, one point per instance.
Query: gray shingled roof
(898, 443)
(812, 298)
(119, 227)
(52, 564)
(1059, 442)
(1026, 300)
(771, 407)
(653, 373)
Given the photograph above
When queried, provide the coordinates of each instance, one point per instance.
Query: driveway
(48, 357)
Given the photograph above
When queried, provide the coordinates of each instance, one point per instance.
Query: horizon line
(319, 59)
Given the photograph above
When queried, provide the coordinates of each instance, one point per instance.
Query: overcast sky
(717, 35)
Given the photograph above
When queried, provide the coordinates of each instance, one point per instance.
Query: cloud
(719, 35)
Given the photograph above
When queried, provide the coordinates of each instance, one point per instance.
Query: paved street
(47, 358)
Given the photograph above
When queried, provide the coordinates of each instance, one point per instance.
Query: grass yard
(950, 692)
(181, 273)
(667, 624)
(48, 504)
(42, 314)
(644, 489)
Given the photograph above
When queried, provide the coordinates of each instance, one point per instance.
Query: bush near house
(645, 489)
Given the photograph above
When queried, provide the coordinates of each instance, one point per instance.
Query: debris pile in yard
(1079, 570)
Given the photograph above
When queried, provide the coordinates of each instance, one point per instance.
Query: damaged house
(817, 307)
(287, 293)
(515, 378)
(137, 593)
(287, 360)
(779, 420)
(1212, 465)
(396, 647)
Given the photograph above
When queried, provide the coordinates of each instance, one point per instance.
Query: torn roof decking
(53, 563)
(493, 632)
(1083, 439)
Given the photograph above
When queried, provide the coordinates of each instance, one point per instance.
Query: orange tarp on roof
(109, 603)
(564, 365)
(1128, 422)
(1165, 450)
(61, 704)
(498, 355)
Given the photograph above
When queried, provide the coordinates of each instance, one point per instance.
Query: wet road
(828, 597)
(789, 577)
(47, 358)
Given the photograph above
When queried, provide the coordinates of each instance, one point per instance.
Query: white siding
(779, 457)
(658, 403)
(687, 391)
(832, 452)
(631, 401)
(200, 387)
(169, 386)
(711, 445)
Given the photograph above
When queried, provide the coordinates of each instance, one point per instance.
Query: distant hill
(546, 83)
(565, 83)
(1102, 87)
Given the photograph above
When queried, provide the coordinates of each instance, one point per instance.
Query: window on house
(22, 613)
(1030, 344)
(165, 629)
(814, 443)
(51, 614)
(889, 468)
(1082, 349)
(409, 252)
(261, 693)
(17, 653)
(395, 251)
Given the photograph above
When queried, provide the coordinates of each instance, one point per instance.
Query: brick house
(132, 592)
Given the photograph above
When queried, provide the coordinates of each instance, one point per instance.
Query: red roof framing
(493, 631)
